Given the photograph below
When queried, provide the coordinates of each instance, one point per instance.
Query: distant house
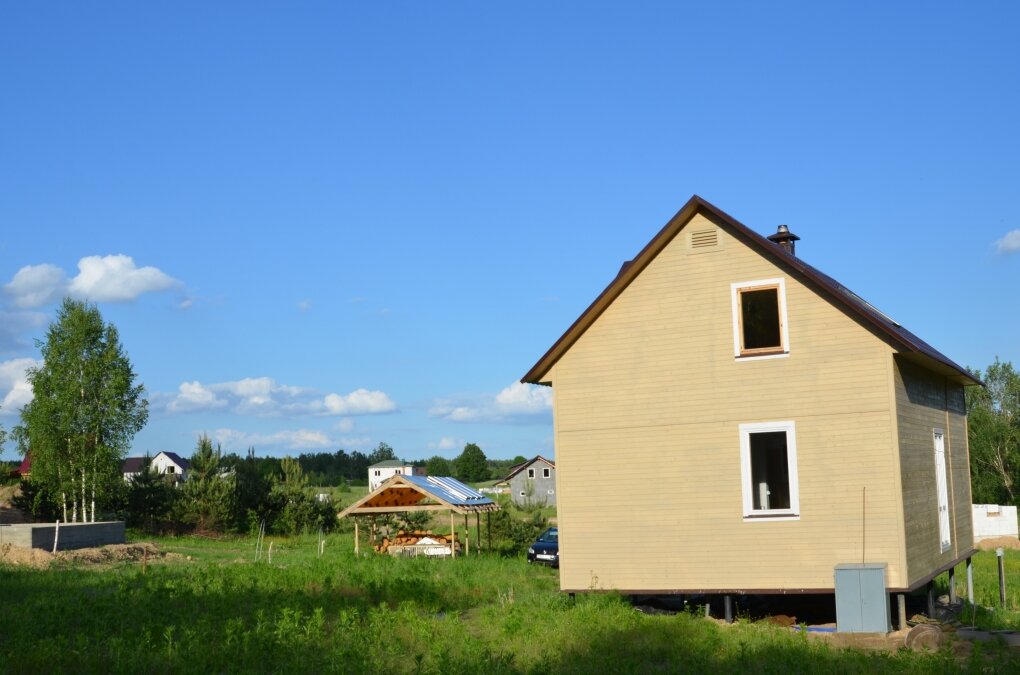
(379, 472)
(783, 424)
(25, 468)
(164, 463)
(532, 482)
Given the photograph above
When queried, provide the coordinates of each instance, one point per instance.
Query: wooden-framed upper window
(759, 318)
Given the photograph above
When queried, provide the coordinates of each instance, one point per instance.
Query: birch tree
(85, 410)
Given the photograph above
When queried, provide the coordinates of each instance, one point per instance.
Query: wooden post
(970, 580)
(467, 536)
(952, 584)
(478, 530)
(901, 611)
(728, 608)
(488, 528)
(453, 537)
(357, 537)
(372, 538)
(931, 599)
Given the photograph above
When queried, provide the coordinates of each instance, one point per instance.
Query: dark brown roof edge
(839, 294)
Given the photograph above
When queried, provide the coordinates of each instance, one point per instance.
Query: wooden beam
(395, 509)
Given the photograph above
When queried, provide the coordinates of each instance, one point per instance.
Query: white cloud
(194, 396)
(114, 278)
(524, 399)
(265, 397)
(185, 304)
(304, 305)
(298, 439)
(37, 285)
(516, 403)
(111, 278)
(446, 443)
(14, 385)
(359, 402)
(1010, 243)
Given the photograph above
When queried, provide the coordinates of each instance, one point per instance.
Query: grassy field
(210, 608)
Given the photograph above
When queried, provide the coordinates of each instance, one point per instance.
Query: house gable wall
(536, 490)
(654, 383)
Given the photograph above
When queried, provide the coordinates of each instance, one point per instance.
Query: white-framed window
(545, 472)
(531, 473)
(759, 319)
(522, 493)
(768, 468)
(552, 492)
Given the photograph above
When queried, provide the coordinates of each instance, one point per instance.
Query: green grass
(220, 612)
(988, 613)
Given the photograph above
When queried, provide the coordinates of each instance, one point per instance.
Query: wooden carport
(402, 494)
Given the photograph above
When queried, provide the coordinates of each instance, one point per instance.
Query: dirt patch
(25, 557)
(103, 555)
(993, 543)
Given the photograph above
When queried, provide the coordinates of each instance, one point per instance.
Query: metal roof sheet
(450, 490)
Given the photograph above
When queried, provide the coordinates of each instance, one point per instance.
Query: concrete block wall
(72, 535)
(992, 520)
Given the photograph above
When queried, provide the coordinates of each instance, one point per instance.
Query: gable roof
(176, 459)
(132, 464)
(25, 468)
(517, 468)
(911, 346)
(406, 493)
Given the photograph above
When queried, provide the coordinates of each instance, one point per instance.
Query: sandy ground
(999, 542)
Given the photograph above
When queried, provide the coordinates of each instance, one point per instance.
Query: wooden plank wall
(925, 402)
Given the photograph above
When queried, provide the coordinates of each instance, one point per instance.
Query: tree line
(87, 406)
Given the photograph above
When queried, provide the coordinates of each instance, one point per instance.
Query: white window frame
(784, 332)
(545, 472)
(531, 473)
(761, 515)
(942, 490)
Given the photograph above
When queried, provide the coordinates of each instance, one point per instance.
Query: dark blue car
(547, 549)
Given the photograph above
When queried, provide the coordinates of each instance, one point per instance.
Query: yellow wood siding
(925, 402)
(654, 383)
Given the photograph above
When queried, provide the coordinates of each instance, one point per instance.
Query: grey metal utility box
(862, 605)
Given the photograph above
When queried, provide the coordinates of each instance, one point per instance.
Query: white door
(943, 491)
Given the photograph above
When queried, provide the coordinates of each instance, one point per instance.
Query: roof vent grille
(702, 239)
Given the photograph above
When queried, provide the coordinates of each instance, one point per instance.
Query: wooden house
(783, 426)
(532, 482)
(165, 463)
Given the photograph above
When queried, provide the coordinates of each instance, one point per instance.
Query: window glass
(760, 319)
(768, 454)
(770, 471)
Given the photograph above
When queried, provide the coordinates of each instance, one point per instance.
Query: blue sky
(327, 225)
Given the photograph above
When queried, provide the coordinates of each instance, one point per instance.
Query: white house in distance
(164, 463)
(378, 473)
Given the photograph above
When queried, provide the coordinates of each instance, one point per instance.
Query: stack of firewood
(410, 539)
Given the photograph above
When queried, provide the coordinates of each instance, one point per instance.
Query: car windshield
(550, 535)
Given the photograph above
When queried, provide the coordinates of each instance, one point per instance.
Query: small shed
(402, 494)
